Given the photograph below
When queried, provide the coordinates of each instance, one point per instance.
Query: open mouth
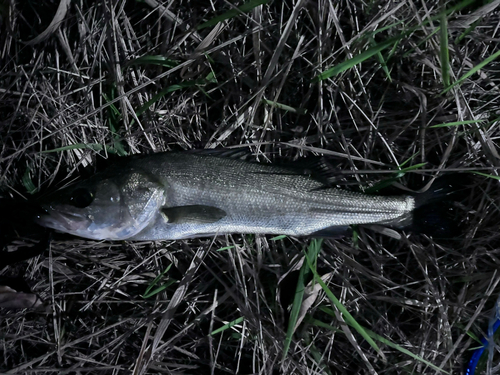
(64, 221)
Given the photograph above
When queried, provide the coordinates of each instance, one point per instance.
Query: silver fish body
(185, 195)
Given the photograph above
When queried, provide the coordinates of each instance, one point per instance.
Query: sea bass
(178, 195)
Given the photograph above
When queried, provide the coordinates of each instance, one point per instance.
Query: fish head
(104, 207)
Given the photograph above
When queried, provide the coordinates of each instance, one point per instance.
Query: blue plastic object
(493, 325)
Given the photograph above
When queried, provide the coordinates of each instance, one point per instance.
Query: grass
(391, 92)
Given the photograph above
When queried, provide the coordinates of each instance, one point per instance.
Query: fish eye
(81, 198)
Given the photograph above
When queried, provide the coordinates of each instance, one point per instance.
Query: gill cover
(105, 207)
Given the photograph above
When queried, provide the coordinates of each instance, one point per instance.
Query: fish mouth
(63, 221)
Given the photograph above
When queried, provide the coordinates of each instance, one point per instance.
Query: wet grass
(390, 91)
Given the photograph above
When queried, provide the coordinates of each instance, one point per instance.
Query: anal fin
(332, 232)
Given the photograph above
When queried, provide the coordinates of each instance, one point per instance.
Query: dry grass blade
(62, 9)
(310, 296)
(167, 317)
(443, 48)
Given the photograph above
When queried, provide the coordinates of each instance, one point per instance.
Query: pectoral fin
(193, 214)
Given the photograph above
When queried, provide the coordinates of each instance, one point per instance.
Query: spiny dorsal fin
(193, 214)
(320, 169)
(240, 153)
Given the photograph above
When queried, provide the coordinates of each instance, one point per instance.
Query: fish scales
(194, 188)
(263, 198)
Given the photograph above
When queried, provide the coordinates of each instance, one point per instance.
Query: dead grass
(125, 77)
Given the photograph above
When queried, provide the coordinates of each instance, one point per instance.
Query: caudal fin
(440, 212)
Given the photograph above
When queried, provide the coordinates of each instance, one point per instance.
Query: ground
(394, 92)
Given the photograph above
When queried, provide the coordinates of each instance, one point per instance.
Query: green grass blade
(474, 70)
(397, 175)
(227, 326)
(172, 88)
(155, 291)
(402, 171)
(150, 291)
(27, 182)
(421, 42)
(316, 354)
(294, 313)
(153, 60)
(444, 51)
(474, 337)
(113, 122)
(355, 236)
(383, 64)
(403, 350)
(426, 21)
(157, 97)
(232, 13)
(358, 59)
(114, 111)
(313, 251)
(408, 160)
(391, 26)
(467, 32)
(381, 61)
(381, 46)
(349, 319)
(299, 111)
(456, 123)
(377, 337)
(277, 238)
(226, 248)
(487, 175)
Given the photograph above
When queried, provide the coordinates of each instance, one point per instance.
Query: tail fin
(438, 211)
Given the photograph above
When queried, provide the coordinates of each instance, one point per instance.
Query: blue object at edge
(471, 367)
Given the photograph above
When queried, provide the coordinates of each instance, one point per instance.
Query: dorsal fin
(318, 168)
(240, 153)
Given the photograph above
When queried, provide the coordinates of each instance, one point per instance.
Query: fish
(182, 195)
